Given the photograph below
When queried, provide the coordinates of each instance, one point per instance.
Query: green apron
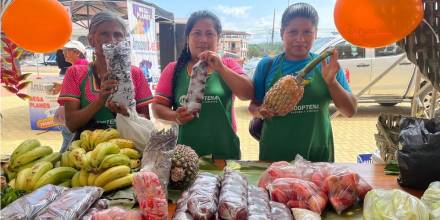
(104, 116)
(210, 133)
(306, 130)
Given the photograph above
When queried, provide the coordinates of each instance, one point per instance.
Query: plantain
(111, 174)
(119, 183)
(55, 176)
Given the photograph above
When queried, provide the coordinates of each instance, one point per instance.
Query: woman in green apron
(306, 130)
(213, 132)
(86, 88)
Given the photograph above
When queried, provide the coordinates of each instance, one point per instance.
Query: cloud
(235, 11)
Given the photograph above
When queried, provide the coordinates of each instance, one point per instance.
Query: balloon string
(432, 29)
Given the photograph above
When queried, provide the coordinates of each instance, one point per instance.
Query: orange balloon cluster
(37, 25)
(377, 23)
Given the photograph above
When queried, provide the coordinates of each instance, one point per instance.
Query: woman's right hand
(106, 89)
(183, 116)
(265, 113)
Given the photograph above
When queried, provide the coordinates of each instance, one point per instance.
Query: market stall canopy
(83, 10)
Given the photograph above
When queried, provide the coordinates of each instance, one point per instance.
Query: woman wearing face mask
(86, 88)
(307, 129)
(213, 132)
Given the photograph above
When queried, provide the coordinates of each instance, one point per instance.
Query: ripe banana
(37, 171)
(102, 150)
(94, 137)
(107, 135)
(75, 144)
(135, 163)
(83, 177)
(65, 162)
(53, 158)
(24, 147)
(111, 174)
(131, 153)
(20, 182)
(119, 183)
(91, 179)
(32, 155)
(85, 139)
(78, 157)
(114, 160)
(55, 176)
(67, 183)
(123, 143)
(75, 180)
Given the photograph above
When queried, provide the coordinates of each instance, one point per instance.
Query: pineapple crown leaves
(11, 77)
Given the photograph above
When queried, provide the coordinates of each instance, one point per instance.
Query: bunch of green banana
(75, 144)
(90, 139)
(106, 135)
(85, 140)
(55, 176)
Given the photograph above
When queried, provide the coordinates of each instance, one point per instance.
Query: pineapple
(286, 93)
(185, 166)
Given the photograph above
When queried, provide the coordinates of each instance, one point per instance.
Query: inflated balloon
(37, 25)
(377, 23)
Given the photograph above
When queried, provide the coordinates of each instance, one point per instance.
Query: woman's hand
(183, 116)
(265, 113)
(117, 108)
(106, 89)
(330, 69)
(213, 60)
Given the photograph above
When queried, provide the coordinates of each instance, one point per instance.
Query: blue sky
(252, 16)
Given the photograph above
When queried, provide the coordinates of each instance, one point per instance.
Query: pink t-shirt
(71, 88)
(81, 62)
(164, 89)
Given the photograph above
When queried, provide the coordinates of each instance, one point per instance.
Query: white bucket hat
(74, 44)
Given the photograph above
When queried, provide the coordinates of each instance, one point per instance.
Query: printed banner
(43, 103)
(142, 28)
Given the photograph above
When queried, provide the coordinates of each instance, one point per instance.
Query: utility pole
(273, 25)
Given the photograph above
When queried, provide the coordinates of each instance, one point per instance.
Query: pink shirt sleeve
(143, 95)
(164, 89)
(233, 65)
(70, 90)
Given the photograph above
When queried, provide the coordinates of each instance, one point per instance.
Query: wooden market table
(372, 173)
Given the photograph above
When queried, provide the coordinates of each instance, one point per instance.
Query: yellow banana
(11, 173)
(37, 171)
(53, 158)
(12, 183)
(65, 159)
(55, 176)
(78, 157)
(123, 143)
(83, 177)
(119, 183)
(131, 153)
(94, 137)
(75, 180)
(85, 137)
(32, 155)
(67, 183)
(91, 179)
(102, 150)
(114, 160)
(24, 147)
(75, 144)
(111, 174)
(135, 163)
(107, 135)
(20, 182)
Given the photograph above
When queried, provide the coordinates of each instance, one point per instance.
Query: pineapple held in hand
(286, 93)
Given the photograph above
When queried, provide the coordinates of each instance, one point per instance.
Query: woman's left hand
(330, 69)
(117, 108)
(214, 61)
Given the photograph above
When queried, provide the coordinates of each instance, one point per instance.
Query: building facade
(234, 44)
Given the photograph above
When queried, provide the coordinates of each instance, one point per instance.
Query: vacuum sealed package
(203, 196)
(280, 211)
(99, 205)
(117, 56)
(150, 195)
(233, 203)
(181, 212)
(72, 203)
(196, 89)
(28, 206)
(258, 203)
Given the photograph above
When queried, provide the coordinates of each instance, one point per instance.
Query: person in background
(61, 62)
(214, 131)
(307, 129)
(86, 87)
(75, 53)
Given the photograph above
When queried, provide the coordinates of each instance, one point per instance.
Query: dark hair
(104, 16)
(302, 10)
(185, 55)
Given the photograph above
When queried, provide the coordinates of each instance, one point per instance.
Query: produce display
(184, 167)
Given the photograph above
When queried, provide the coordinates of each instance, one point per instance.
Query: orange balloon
(377, 23)
(37, 25)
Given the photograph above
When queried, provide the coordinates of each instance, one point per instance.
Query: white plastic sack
(135, 128)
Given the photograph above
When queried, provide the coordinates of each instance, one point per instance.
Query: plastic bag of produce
(298, 193)
(342, 189)
(196, 88)
(116, 213)
(150, 195)
(304, 214)
(135, 128)
(203, 196)
(99, 205)
(393, 204)
(420, 152)
(279, 211)
(281, 169)
(28, 206)
(233, 201)
(362, 188)
(431, 198)
(72, 203)
(258, 203)
(159, 152)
